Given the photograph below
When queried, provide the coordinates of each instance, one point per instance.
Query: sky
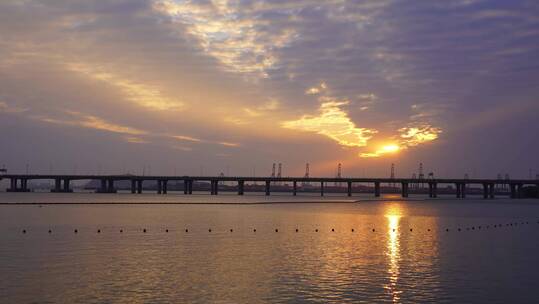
(231, 86)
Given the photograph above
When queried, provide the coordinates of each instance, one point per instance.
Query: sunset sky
(204, 87)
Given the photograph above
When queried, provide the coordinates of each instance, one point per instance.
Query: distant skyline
(204, 87)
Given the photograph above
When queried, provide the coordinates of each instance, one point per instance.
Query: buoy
(447, 229)
(254, 230)
(209, 230)
(297, 229)
(316, 230)
(373, 230)
(76, 231)
(473, 228)
(276, 230)
(50, 231)
(410, 229)
(186, 230)
(332, 230)
(428, 229)
(479, 227)
(166, 230)
(98, 230)
(459, 229)
(144, 230)
(393, 229)
(352, 229)
(231, 230)
(121, 230)
(24, 231)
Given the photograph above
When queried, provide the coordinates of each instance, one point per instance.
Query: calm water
(409, 257)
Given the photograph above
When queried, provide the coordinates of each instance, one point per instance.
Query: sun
(391, 148)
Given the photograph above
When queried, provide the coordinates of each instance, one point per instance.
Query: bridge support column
(268, 183)
(241, 185)
(66, 186)
(519, 191)
(110, 186)
(190, 187)
(463, 190)
(185, 186)
(434, 190)
(133, 186)
(164, 186)
(349, 188)
(214, 187)
(491, 191)
(139, 186)
(404, 189)
(321, 188)
(159, 187)
(57, 185)
(13, 185)
(485, 190)
(103, 186)
(459, 191)
(377, 189)
(513, 189)
(295, 188)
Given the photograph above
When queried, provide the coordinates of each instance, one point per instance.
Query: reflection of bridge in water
(62, 183)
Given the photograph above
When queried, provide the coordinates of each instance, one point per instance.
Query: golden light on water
(393, 216)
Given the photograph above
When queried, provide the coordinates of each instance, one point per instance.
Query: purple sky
(203, 87)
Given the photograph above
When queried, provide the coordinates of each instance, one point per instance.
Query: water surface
(399, 251)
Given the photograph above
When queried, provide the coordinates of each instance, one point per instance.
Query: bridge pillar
(349, 188)
(463, 190)
(185, 186)
(13, 185)
(133, 186)
(66, 186)
(139, 186)
(485, 190)
(159, 187)
(214, 187)
(295, 187)
(491, 190)
(164, 186)
(513, 189)
(57, 185)
(519, 191)
(404, 189)
(458, 189)
(268, 183)
(431, 192)
(377, 189)
(110, 186)
(321, 188)
(434, 190)
(190, 187)
(103, 187)
(24, 185)
(241, 185)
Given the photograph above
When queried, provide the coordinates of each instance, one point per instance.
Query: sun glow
(385, 149)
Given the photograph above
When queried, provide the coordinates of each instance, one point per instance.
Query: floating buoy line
(297, 230)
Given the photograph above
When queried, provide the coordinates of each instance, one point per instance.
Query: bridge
(62, 183)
